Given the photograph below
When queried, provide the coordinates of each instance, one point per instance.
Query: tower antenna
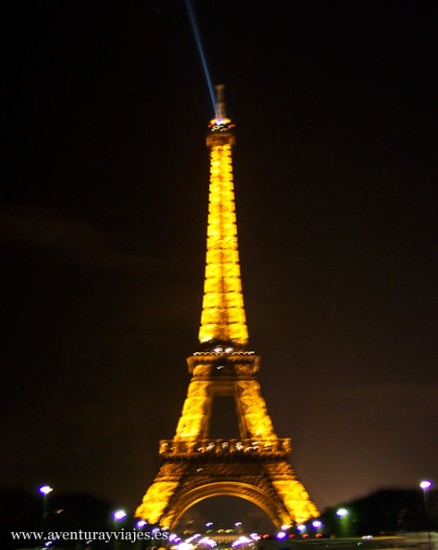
(220, 102)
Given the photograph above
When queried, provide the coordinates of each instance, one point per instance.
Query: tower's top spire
(220, 123)
(223, 320)
(220, 102)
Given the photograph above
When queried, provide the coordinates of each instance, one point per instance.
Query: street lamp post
(118, 515)
(425, 486)
(342, 514)
(317, 524)
(45, 490)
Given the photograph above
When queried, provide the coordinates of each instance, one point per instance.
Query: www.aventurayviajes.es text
(89, 536)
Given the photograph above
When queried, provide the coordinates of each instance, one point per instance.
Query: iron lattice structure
(255, 466)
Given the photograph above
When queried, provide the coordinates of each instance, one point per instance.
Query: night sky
(103, 230)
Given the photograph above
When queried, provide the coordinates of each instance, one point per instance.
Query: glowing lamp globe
(119, 515)
(45, 490)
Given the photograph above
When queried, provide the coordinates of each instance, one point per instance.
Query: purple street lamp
(45, 490)
(118, 515)
(317, 524)
(425, 486)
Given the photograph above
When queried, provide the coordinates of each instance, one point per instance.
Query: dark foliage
(384, 512)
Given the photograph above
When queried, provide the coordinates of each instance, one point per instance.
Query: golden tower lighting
(254, 466)
(223, 317)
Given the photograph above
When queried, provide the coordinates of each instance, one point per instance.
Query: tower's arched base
(254, 467)
(270, 484)
(223, 512)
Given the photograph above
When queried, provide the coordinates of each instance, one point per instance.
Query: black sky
(104, 209)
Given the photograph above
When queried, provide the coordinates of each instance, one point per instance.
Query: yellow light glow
(155, 501)
(195, 466)
(219, 121)
(296, 499)
(223, 315)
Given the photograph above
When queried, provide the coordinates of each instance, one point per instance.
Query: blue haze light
(197, 35)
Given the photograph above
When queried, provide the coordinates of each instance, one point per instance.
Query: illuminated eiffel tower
(253, 467)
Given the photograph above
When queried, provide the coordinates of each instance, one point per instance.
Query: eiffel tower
(254, 466)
